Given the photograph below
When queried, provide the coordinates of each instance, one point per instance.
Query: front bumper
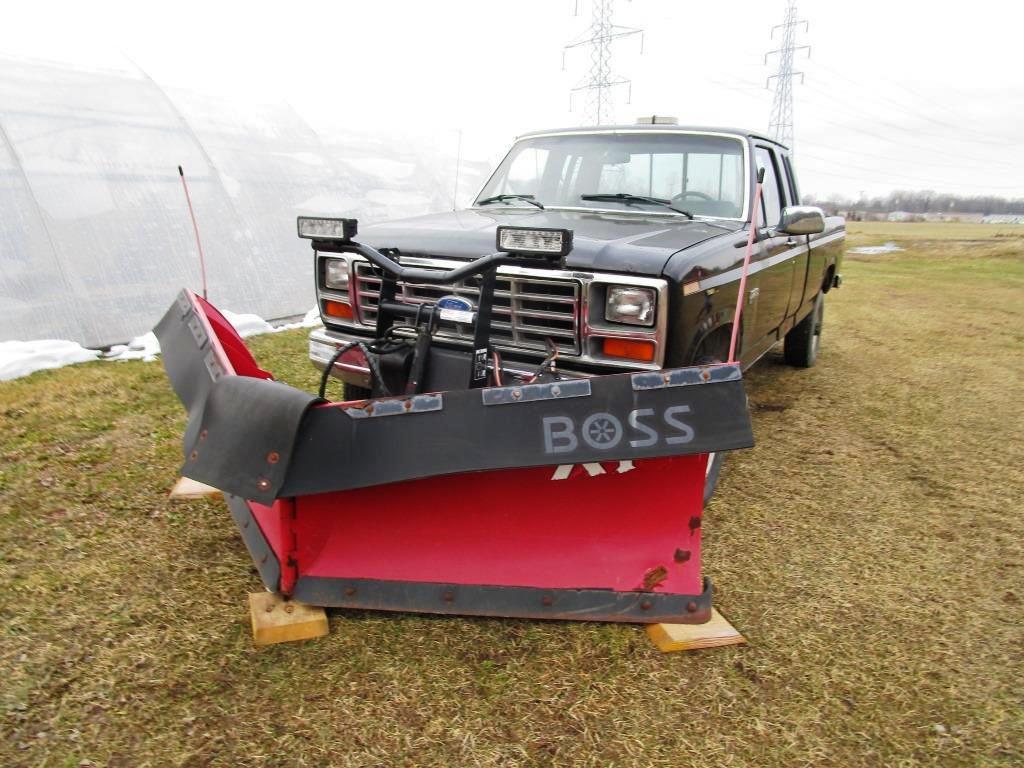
(351, 368)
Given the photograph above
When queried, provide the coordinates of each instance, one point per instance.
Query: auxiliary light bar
(319, 228)
(532, 240)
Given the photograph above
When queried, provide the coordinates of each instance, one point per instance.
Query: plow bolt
(448, 597)
(547, 600)
(350, 591)
(645, 605)
(193, 456)
(202, 435)
(691, 607)
(263, 484)
(273, 457)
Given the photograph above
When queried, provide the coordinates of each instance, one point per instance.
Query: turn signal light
(338, 309)
(630, 349)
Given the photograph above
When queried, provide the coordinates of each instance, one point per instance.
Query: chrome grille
(527, 309)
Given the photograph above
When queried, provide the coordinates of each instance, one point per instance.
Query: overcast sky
(897, 95)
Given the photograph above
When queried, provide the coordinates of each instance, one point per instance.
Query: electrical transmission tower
(780, 125)
(598, 84)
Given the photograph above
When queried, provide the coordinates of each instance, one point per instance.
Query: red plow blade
(578, 500)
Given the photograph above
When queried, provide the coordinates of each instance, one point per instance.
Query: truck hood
(611, 242)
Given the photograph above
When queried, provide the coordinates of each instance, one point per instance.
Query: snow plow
(451, 490)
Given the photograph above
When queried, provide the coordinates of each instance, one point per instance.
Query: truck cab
(660, 216)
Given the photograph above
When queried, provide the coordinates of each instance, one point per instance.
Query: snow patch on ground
(310, 320)
(20, 358)
(247, 324)
(144, 347)
(874, 250)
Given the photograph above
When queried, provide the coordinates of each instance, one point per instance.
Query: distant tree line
(924, 201)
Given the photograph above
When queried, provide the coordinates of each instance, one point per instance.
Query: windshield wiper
(628, 199)
(502, 198)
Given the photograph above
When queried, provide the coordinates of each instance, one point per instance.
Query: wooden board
(276, 620)
(687, 637)
(187, 488)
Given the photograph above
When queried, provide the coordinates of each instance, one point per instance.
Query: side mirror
(801, 220)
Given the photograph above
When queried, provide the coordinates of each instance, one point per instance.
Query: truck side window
(784, 184)
(771, 198)
(793, 188)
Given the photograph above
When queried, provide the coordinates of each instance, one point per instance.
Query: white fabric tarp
(95, 239)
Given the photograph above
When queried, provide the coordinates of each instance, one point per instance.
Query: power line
(780, 124)
(890, 104)
(889, 158)
(887, 176)
(600, 81)
(844, 105)
(755, 89)
(986, 191)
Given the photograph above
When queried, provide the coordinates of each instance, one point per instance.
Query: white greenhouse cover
(95, 239)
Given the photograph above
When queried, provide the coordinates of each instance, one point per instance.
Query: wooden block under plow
(276, 620)
(687, 637)
(187, 488)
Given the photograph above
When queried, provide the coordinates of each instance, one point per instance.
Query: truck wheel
(801, 344)
(353, 392)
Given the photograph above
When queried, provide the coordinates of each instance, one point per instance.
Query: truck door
(798, 243)
(803, 297)
(774, 268)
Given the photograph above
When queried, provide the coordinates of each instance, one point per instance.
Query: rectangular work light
(318, 228)
(535, 241)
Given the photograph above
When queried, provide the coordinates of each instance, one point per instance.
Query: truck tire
(800, 347)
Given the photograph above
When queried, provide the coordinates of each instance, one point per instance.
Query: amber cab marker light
(338, 309)
(630, 349)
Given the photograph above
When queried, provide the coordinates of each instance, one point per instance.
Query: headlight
(627, 304)
(336, 274)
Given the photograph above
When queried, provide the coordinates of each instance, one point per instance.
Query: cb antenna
(195, 228)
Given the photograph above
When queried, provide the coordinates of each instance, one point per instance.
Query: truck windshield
(698, 173)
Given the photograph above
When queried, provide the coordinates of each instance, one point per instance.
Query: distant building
(1002, 218)
(901, 216)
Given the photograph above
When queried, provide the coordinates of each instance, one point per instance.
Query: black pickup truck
(660, 216)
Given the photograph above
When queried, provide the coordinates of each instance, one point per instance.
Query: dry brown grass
(869, 547)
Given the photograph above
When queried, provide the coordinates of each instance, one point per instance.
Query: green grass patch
(869, 547)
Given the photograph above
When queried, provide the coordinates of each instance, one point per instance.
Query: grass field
(870, 547)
